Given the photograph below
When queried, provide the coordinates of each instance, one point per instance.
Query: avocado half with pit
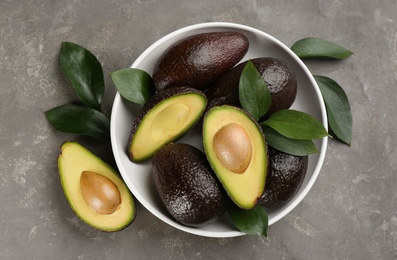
(237, 152)
(94, 190)
(163, 119)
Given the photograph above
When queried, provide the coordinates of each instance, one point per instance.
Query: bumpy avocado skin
(279, 78)
(199, 60)
(156, 99)
(284, 178)
(187, 186)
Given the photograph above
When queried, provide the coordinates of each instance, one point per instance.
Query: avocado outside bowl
(138, 177)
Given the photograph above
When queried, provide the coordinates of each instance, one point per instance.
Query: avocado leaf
(84, 72)
(253, 93)
(76, 119)
(338, 108)
(288, 145)
(133, 84)
(316, 48)
(252, 222)
(296, 125)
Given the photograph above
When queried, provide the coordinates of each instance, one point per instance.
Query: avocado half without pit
(164, 119)
(237, 152)
(94, 190)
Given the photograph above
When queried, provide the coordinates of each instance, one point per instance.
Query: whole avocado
(199, 60)
(187, 186)
(284, 178)
(279, 78)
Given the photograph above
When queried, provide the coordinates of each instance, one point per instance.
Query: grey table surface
(351, 211)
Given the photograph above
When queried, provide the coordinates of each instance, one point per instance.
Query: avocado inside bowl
(138, 176)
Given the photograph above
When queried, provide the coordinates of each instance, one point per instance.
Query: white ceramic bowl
(138, 176)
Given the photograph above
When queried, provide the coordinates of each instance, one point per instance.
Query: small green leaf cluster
(85, 74)
(287, 130)
(335, 99)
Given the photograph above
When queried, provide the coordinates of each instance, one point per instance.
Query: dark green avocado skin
(187, 186)
(285, 176)
(198, 60)
(279, 78)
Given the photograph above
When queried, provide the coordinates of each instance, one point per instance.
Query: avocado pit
(100, 193)
(232, 147)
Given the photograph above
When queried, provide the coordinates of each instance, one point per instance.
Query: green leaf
(296, 125)
(134, 84)
(338, 108)
(288, 145)
(84, 72)
(253, 93)
(319, 49)
(252, 222)
(75, 119)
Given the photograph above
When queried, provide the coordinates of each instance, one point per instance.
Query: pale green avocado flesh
(164, 123)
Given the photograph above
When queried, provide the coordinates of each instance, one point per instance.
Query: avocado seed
(233, 147)
(100, 193)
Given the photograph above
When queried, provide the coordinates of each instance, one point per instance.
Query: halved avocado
(164, 119)
(86, 181)
(236, 149)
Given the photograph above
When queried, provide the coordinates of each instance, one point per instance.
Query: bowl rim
(234, 26)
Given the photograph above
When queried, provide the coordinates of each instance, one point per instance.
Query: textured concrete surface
(351, 211)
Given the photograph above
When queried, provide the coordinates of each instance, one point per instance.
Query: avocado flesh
(72, 162)
(247, 187)
(165, 118)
